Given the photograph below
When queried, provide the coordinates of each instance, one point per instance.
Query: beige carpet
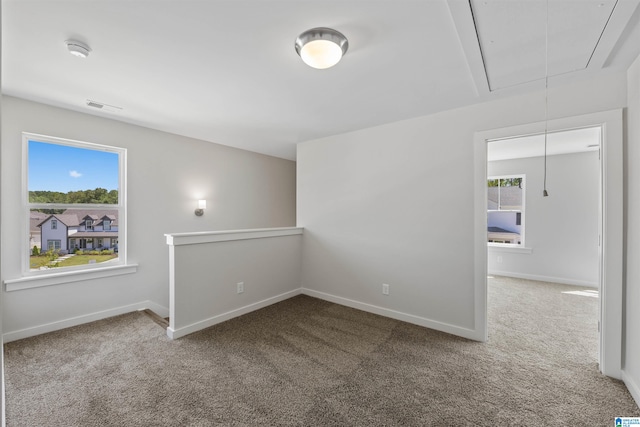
(312, 363)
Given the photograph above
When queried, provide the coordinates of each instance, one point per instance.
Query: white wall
(206, 268)
(166, 175)
(2, 400)
(562, 229)
(631, 360)
(395, 204)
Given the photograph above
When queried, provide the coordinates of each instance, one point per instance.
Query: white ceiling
(503, 26)
(563, 142)
(227, 71)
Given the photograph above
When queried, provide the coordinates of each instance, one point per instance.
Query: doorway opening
(545, 245)
(610, 234)
(532, 236)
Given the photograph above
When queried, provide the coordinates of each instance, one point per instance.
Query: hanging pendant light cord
(546, 98)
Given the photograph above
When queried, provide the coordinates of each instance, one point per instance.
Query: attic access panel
(512, 37)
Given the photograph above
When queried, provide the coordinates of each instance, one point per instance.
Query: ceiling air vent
(103, 107)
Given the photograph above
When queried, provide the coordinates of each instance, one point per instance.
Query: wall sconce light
(202, 205)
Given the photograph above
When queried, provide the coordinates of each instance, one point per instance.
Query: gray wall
(166, 175)
(561, 230)
(2, 400)
(395, 204)
(631, 362)
(206, 274)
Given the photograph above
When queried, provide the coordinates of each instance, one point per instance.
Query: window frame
(54, 244)
(57, 275)
(522, 211)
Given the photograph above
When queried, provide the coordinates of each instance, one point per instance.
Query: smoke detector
(76, 48)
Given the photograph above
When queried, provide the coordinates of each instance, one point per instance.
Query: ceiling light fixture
(321, 47)
(76, 48)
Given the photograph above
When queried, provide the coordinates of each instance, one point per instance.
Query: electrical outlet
(385, 289)
(240, 287)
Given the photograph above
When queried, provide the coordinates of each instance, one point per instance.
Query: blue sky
(62, 168)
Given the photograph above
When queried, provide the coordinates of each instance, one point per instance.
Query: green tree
(96, 196)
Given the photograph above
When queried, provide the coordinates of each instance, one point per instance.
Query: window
(505, 210)
(106, 225)
(53, 244)
(79, 183)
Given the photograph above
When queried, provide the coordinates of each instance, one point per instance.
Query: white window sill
(493, 247)
(49, 279)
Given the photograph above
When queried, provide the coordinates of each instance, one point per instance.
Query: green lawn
(84, 259)
(39, 261)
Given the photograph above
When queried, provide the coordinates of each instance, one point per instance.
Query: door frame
(611, 226)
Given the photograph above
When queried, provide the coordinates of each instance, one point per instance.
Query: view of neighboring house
(79, 229)
(35, 218)
(500, 235)
(504, 215)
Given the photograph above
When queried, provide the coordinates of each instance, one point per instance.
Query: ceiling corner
(612, 33)
(463, 21)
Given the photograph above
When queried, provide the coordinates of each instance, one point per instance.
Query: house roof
(74, 217)
(112, 218)
(501, 233)
(69, 220)
(510, 197)
(96, 215)
(35, 219)
(499, 230)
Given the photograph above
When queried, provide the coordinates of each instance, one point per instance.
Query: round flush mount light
(321, 47)
(76, 48)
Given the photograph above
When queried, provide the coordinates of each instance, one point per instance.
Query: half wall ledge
(210, 282)
(178, 239)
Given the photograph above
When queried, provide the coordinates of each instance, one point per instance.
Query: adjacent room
(274, 212)
(535, 240)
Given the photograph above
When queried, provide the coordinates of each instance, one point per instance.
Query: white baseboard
(79, 320)
(194, 327)
(561, 280)
(409, 318)
(632, 386)
(156, 308)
